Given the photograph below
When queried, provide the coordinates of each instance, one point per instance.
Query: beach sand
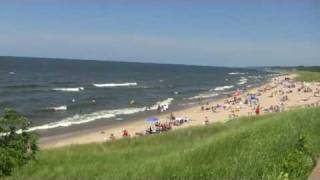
(197, 115)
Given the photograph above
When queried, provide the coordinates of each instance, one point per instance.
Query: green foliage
(298, 161)
(309, 76)
(276, 146)
(309, 68)
(16, 149)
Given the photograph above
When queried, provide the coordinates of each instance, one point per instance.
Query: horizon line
(134, 61)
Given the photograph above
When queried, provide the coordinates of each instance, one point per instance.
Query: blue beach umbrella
(152, 120)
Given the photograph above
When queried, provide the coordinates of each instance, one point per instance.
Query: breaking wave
(165, 102)
(221, 88)
(203, 96)
(242, 81)
(76, 89)
(236, 73)
(85, 118)
(116, 85)
(58, 108)
(104, 114)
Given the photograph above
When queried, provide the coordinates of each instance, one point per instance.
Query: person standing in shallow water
(159, 109)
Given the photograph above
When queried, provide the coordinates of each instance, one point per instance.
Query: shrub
(17, 146)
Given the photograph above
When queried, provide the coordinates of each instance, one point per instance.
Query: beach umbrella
(152, 120)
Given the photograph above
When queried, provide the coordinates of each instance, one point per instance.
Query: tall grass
(308, 76)
(277, 146)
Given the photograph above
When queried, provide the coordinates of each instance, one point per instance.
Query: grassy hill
(274, 146)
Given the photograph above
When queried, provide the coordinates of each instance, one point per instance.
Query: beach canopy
(152, 120)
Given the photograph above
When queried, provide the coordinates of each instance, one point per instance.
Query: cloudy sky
(219, 33)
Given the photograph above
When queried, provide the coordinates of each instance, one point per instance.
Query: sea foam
(242, 81)
(116, 85)
(165, 102)
(85, 118)
(58, 108)
(236, 73)
(104, 114)
(203, 96)
(221, 88)
(76, 89)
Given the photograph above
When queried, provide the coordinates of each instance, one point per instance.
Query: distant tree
(17, 146)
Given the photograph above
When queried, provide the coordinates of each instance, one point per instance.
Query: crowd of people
(239, 102)
(156, 128)
(279, 88)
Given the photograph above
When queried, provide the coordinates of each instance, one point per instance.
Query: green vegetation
(309, 68)
(15, 149)
(275, 146)
(308, 76)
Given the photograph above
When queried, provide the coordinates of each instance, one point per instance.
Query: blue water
(56, 92)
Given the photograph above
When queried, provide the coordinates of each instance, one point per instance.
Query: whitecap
(236, 73)
(255, 77)
(221, 88)
(203, 96)
(85, 118)
(165, 103)
(116, 85)
(242, 81)
(58, 108)
(104, 114)
(76, 89)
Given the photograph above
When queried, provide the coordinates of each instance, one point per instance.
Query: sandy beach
(278, 94)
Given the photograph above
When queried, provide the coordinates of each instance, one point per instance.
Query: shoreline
(59, 140)
(106, 122)
(197, 116)
(49, 141)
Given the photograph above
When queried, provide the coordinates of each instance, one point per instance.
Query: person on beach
(132, 102)
(149, 130)
(257, 110)
(172, 117)
(125, 133)
(112, 137)
(206, 121)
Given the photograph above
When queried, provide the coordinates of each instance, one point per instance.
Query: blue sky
(219, 33)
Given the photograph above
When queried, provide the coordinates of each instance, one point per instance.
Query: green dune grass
(276, 146)
(308, 76)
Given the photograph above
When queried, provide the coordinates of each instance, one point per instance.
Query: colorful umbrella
(152, 120)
